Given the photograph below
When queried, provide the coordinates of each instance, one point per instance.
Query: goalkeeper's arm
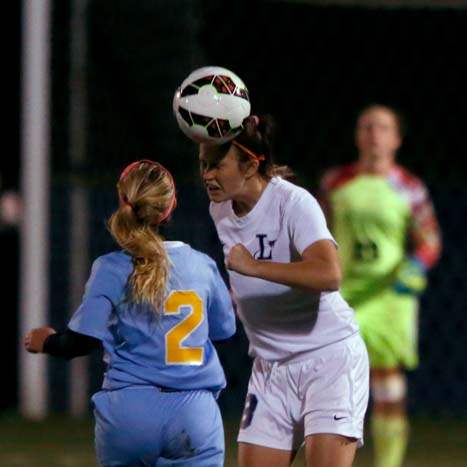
(425, 240)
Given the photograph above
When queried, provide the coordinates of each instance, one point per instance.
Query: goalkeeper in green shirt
(383, 220)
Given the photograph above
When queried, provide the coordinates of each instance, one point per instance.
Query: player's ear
(398, 142)
(251, 168)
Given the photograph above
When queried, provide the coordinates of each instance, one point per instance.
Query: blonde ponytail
(147, 194)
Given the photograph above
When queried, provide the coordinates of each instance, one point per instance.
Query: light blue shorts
(141, 426)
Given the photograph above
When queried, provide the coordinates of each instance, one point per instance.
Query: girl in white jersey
(310, 374)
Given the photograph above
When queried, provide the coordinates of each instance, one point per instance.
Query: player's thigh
(328, 450)
(336, 390)
(194, 435)
(267, 421)
(253, 455)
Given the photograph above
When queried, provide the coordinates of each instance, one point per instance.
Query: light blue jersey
(171, 348)
(157, 406)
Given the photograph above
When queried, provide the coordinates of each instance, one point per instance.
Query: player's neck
(246, 201)
(375, 165)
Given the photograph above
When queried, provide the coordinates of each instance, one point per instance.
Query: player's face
(377, 134)
(223, 178)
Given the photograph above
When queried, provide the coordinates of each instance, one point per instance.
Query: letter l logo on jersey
(265, 251)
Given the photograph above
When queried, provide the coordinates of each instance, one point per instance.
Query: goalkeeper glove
(410, 277)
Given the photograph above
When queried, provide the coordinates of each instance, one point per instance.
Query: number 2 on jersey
(175, 352)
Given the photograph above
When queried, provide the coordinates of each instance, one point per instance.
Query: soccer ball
(211, 104)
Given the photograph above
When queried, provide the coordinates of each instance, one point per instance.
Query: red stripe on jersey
(424, 229)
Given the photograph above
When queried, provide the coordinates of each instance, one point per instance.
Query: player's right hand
(34, 339)
(240, 260)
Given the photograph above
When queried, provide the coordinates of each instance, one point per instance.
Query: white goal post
(34, 232)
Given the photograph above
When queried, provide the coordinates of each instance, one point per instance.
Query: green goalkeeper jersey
(377, 221)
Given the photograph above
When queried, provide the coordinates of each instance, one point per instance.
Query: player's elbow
(327, 281)
(334, 285)
(227, 330)
(334, 279)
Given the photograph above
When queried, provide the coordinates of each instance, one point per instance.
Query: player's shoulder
(336, 177)
(285, 189)
(408, 184)
(115, 263)
(406, 178)
(295, 203)
(289, 193)
(219, 210)
(203, 265)
(205, 259)
(113, 259)
(189, 254)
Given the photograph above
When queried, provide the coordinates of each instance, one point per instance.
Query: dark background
(312, 68)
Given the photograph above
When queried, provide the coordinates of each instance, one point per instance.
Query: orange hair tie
(124, 200)
(248, 152)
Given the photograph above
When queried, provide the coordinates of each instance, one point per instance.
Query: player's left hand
(411, 277)
(241, 260)
(34, 339)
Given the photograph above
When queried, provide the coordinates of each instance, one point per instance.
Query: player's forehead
(213, 154)
(378, 115)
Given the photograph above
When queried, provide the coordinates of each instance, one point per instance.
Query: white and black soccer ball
(211, 104)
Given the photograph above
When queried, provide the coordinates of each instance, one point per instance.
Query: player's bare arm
(34, 339)
(319, 268)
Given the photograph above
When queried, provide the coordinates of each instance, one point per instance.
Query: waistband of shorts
(166, 389)
(148, 386)
(312, 354)
(163, 389)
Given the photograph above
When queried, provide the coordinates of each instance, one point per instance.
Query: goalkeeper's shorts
(389, 324)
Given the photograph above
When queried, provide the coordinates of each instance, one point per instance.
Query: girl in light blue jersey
(154, 307)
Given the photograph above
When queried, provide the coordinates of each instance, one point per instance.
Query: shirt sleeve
(69, 344)
(221, 317)
(103, 291)
(424, 228)
(306, 222)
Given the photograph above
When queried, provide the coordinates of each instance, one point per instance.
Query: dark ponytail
(258, 137)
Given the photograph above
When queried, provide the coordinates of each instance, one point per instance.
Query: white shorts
(325, 393)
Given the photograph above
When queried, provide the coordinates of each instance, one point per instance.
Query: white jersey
(282, 323)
